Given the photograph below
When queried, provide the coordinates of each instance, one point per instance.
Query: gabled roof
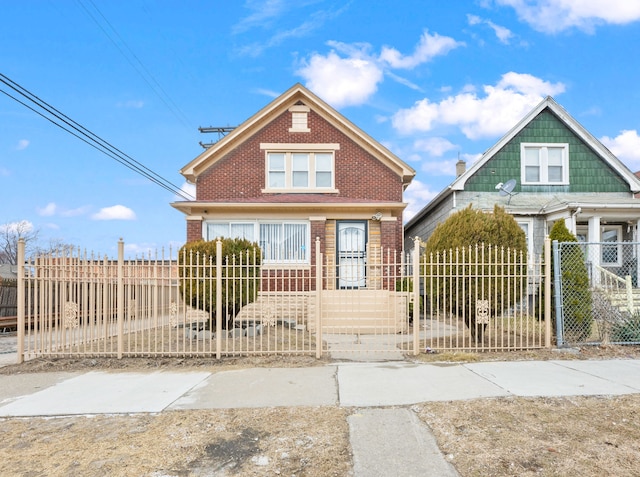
(548, 103)
(281, 104)
(572, 124)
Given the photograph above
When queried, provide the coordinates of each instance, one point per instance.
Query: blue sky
(431, 80)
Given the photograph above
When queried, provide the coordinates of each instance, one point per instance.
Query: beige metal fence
(485, 298)
(79, 305)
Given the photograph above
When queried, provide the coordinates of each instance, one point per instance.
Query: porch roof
(584, 206)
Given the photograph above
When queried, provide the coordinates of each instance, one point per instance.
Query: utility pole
(221, 131)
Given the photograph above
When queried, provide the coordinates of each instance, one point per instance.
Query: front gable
(242, 173)
(549, 123)
(588, 170)
(299, 117)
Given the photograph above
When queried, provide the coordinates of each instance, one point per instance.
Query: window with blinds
(280, 242)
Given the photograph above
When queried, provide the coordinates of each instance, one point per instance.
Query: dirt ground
(586, 436)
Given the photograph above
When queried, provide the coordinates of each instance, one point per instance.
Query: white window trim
(544, 165)
(256, 233)
(529, 233)
(288, 150)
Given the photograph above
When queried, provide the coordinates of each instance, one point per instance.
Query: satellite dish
(507, 188)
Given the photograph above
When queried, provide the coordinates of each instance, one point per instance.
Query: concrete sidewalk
(379, 394)
(345, 384)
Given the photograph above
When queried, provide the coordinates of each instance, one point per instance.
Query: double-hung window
(281, 242)
(300, 167)
(545, 163)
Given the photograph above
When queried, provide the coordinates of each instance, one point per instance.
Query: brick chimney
(461, 167)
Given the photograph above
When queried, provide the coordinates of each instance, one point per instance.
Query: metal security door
(351, 246)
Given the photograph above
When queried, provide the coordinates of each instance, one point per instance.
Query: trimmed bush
(461, 233)
(241, 261)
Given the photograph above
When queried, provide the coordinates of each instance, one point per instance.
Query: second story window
(300, 170)
(544, 163)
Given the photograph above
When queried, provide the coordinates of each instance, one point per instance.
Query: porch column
(391, 235)
(593, 251)
(194, 228)
(594, 229)
(318, 230)
(570, 222)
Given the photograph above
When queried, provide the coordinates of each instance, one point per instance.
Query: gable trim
(283, 103)
(549, 103)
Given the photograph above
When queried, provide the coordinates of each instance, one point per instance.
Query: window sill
(545, 183)
(285, 266)
(300, 191)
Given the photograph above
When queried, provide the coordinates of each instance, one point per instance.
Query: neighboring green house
(548, 167)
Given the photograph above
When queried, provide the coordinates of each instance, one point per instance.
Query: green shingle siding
(587, 171)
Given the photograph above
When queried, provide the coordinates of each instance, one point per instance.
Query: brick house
(295, 171)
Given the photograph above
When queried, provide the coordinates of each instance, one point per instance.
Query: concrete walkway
(380, 395)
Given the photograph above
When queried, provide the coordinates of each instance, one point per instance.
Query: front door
(351, 247)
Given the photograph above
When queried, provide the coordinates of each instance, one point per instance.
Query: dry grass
(311, 442)
(585, 436)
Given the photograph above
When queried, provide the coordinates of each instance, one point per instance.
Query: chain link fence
(596, 294)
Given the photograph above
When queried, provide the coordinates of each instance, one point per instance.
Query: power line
(88, 136)
(142, 70)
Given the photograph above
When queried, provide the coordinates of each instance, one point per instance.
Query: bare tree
(56, 246)
(10, 234)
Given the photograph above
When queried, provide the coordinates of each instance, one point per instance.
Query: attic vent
(299, 114)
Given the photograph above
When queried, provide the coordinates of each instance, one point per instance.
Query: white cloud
(187, 189)
(501, 107)
(262, 13)
(116, 212)
(503, 34)
(553, 16)
(21, 227)
(267, 92)
(440, 168)
(435, 146)
(349, 74)
(341, 81)
(4, 172)
(52, 209)
(22, 144)
(48, 210)
(429, 47)
(417, 196)
(626, 146)
(140, 250)
(75, 212)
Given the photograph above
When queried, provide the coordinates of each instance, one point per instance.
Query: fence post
(120, 297)
(547, 290)
(318, 299)
(558, 294)
(219, 316)
(415, 263)
(21, 298)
